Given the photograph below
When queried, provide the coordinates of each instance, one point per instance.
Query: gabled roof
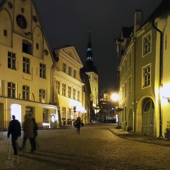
(162, 10)
(71, 52)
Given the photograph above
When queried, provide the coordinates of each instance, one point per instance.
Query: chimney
(138, 18)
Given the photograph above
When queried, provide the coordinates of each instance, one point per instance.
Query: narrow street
(96, 148)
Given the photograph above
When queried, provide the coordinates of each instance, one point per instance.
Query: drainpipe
(160, 79)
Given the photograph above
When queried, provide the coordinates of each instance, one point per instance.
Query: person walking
(28, 129)
(35, 133)
(78, 124)
(14, 129)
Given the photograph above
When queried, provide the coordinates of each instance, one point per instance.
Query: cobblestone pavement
(98, 147)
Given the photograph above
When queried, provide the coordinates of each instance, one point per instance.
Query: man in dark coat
(14, 130)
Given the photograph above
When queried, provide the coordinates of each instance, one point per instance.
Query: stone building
(26, 66)
(69, 86)
(144, 78)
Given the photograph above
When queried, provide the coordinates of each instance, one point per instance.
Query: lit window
(74, 94)
(26, 65)
(58, 87)
(41, 95)
(11, 60)
(69, 92)
(69, 71)
(64, 68)
(146, 76)
(11, 90)
(26, 92)
(42, 70)
(64, 89)
(147, 44)
(74, 73)
(78, 95)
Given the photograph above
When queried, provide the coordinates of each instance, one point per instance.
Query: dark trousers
(34, 143)
(31, 140)
(14, 144)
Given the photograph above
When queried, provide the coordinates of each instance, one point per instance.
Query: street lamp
(115, 98)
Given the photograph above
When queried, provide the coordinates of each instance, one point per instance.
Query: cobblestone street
(96, 148)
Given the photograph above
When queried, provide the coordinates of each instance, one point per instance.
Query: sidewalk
(140, 138)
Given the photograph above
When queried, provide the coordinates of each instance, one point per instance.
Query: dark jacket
(14, 128)
(35, 128)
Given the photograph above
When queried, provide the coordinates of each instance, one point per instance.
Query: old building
(26, 66)
(144, 79)
(69, 86)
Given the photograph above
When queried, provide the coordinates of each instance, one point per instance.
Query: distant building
(26, 66)
(92, 73)
(69, 86)
(144, 74)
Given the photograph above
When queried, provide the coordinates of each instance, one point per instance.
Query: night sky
(67, 23)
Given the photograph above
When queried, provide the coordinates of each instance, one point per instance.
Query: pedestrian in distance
(28, 129)
(35, 133)
(78, 124)
(14, 129)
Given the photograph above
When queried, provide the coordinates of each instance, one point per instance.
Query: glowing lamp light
(114, 97)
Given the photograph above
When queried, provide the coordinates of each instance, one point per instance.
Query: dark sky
(67, 22)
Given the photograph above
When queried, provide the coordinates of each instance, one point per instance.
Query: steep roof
(161, 11)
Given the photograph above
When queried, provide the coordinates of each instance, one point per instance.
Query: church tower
(92, 73)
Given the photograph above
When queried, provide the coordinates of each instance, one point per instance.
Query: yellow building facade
(69, 86)
(26, 66)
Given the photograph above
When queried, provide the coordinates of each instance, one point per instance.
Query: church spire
(89, 54)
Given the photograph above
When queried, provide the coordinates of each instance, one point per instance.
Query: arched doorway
(16, 110)
(148, 117)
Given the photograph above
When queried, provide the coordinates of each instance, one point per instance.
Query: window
(41, 95)
(11, 90)
(26, 92)
(69, 71)
(26, 65)
(74, 94)
(42, 70)
(5, 33)
(64, 89)
(58, 87)
(147, 44)
(69, 92)
(64, 68)
(74, 73)
(26, 47)
(78, 95)
(146, 76)
(11, 60)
